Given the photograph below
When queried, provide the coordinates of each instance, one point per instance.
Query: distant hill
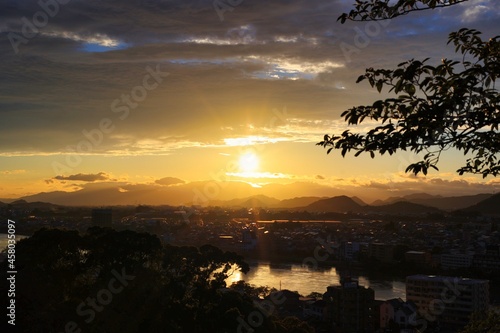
(78, 198)
(263, 201)
(260, 201)
(254, 201)
(339, 204)
(203, 193)
(456, 203)
(410, 198)
(437, 201)
(343, 204)
(297, 202)
(490, 205)
(112, 194)
(19, 202)
(359, 201)
(403, 207)
(23, 204)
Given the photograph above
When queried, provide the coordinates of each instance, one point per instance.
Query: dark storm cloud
(220, 72)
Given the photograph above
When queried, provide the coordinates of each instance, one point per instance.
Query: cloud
(101, 176)
(167, 181)
(222, 74)
(379, 185)
(12, 172)
(479, 10)
(403, 184)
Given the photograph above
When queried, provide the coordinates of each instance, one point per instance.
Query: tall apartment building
(349, 307)
(381, 251)
(456, 260)
(249, 239)
(447, 300)
(349, 250)
(489, 260)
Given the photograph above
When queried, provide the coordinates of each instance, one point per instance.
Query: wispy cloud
(12, 172)
(260, 175)
(98, 39)
(479, 9)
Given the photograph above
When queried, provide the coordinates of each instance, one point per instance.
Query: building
(447, 300)
(489, 260)
(102, 217)
(381, 251)
(418, 257)
(350, 250)
(285, 302)
(349, 307)
(249, 239)
(315, 309)
(456, 260)
(399, 312)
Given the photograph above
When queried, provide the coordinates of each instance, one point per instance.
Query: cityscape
(447, 262)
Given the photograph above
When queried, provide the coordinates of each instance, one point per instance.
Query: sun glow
(248, 162)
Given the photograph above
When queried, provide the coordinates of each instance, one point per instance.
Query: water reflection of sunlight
(4, 241)
(306, 280)
(293, 277)
(235, 277)
(385, 289)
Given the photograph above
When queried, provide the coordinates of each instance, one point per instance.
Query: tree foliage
(109, 281)
(376, 10)
(451, 105)
(483, 323)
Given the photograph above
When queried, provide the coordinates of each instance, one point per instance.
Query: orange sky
(171, 96)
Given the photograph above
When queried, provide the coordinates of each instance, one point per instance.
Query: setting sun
(249, 162)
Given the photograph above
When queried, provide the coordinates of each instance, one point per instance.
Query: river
(297, 277)
(305, 280)
(4, 241)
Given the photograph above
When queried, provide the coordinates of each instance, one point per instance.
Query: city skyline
(160, 96)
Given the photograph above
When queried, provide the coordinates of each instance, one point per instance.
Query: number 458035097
(11, 247)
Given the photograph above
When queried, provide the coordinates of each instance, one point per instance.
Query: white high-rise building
(447, 300)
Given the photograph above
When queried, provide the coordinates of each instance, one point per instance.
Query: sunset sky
(176, 99)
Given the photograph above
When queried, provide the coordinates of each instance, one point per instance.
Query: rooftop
(460, 280)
